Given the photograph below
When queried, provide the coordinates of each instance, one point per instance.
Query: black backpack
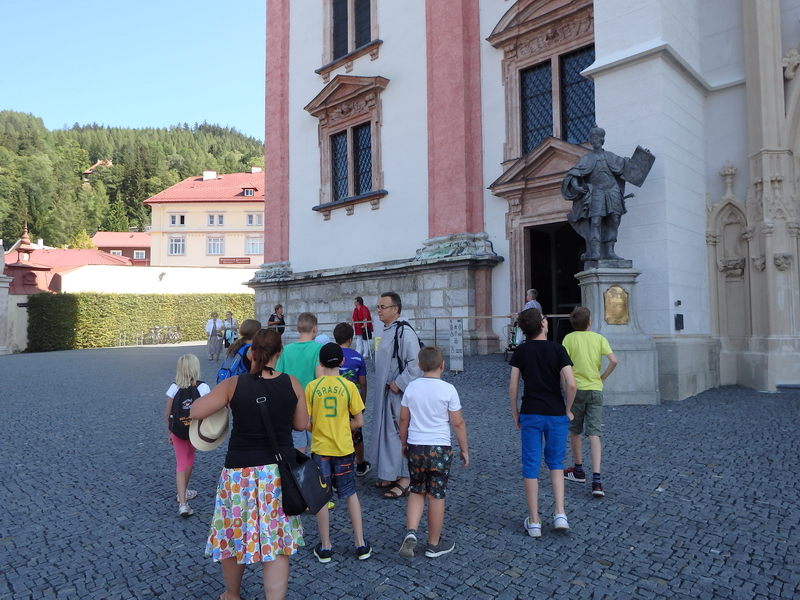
(233, 365)
(179, 418)
(401, 364)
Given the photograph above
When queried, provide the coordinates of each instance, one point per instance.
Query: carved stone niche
(733, 268)
(783, 260)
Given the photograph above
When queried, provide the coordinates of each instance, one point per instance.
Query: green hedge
(91, 320)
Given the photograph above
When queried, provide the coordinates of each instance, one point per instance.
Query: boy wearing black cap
(331, 401)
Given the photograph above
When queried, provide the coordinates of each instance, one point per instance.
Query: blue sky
(135, 63)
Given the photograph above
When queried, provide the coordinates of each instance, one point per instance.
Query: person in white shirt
(428, 409)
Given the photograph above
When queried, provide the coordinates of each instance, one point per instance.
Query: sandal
(385, 485)
(392, 495)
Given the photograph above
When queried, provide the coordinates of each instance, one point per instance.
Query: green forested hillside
(41, 173)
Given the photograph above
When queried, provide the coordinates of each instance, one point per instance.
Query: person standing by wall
(230, 329)
(214, 334)
(276, 321)
(363, 329)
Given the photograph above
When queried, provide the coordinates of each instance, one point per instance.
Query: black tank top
(249, 444)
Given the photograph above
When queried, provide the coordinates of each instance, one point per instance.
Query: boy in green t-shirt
(331, 401)
(301, 359)
(586, 350)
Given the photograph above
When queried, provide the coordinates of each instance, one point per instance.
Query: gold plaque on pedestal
(615, 300)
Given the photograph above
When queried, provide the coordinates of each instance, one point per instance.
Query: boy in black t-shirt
(545, 367)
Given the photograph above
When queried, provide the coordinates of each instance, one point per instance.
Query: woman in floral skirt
(249, 525)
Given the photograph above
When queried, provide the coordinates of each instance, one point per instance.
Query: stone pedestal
(4, 283)
(609, 293)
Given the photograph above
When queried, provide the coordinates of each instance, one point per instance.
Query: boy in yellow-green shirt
(586, 350)
(331, 401)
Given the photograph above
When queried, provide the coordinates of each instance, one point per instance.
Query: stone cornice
(657, 48)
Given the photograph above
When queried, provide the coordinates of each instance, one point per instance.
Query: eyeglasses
(384, 307)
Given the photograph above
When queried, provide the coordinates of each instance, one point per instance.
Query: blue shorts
(341, 470)
(554, 430)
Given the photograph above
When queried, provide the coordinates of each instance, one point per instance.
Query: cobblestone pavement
(701, 498)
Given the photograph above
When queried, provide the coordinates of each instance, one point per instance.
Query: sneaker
(331, 505)
(409, 543)
(185, 510)
(597, 489)
(189, 495)
(323, 554)
(573, 474)
(533, 529)
(560, 523)
(365, 551)
(363, 468)
(443, 547)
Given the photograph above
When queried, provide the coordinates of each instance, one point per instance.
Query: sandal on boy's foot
(363, 468)
(409, 543)
(392, 495)
(384, 485)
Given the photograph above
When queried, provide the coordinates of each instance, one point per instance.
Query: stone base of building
(761, 363)
(687, 365)
(443, 285)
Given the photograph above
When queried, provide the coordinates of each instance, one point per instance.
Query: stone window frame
(177, 219)
(346, 102)
(329, 64)
(176, 246)
(250, 239)
(254, 220)
(529, 36)
(218, 241)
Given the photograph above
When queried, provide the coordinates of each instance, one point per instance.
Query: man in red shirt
(363, 330)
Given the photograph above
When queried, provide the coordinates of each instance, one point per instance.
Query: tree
(82, 240)
(117, 218)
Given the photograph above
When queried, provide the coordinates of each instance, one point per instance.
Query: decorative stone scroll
(790, 63)
(783, 260)
(733, 268)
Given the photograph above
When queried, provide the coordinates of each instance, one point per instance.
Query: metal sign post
(456, 344)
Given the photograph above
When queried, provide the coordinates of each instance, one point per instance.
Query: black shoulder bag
(302, 484)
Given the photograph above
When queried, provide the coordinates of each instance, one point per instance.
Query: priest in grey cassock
(393, 372)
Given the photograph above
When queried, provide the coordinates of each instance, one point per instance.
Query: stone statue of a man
(596, 187)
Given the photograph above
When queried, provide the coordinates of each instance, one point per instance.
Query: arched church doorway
(554, 259)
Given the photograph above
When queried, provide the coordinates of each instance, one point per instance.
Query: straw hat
(206, 434)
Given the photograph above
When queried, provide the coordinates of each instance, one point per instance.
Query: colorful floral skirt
(249, 523)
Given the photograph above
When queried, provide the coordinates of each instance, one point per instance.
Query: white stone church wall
(397, 229)
(494, 137)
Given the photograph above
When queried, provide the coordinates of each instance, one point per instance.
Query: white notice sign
(456, 344)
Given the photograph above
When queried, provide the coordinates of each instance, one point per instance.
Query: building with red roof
(33, 270)
(132, 244)
(209, 221)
